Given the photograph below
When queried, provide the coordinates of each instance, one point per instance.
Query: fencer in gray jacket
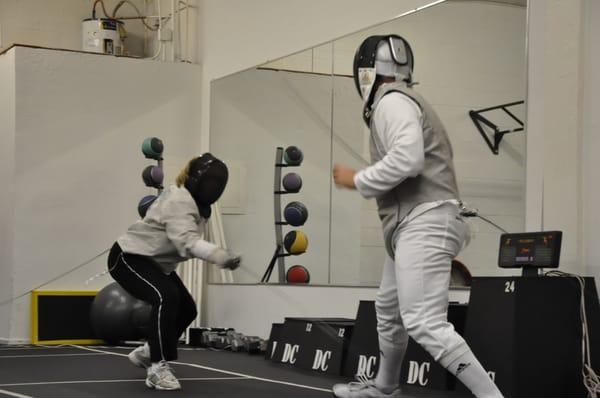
(144, 259)
(413, 180)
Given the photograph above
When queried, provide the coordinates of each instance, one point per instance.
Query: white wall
(591, 138)
(7, 160)
(554, 120)
(236, 35)
(80, 121)
(252, 309)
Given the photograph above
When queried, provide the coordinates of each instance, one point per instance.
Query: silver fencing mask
(387, 55)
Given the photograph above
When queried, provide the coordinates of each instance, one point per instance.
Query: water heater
(102, 35)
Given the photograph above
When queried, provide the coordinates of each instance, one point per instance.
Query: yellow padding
(34, 316)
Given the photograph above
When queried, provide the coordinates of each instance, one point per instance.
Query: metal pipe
(491, 108)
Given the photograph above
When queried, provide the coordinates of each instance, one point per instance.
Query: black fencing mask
(207, 178)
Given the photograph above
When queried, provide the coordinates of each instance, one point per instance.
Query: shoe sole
(151, 385)
(333, 395)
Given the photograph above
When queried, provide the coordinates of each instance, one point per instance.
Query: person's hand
(343, 176)
(233, 262)
(225, 259)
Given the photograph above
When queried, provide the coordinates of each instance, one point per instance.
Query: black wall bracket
(480, 121)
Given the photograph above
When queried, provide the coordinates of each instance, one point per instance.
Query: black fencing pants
(173, 308)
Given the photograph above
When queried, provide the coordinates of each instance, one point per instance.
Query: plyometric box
(527, 332)
(418, 368)
(62, 317)
(318, 344)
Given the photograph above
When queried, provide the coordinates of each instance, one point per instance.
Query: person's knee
(436, 336)
(389, 324)
(386, 307)
(191, 311)
(419, 328)
(170, 296)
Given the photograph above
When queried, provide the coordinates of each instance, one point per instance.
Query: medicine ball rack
(154, 155)
(279, 255)
(152, 148)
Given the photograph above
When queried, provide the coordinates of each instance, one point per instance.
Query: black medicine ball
(293, 156)
(145, 204)
(295, 213)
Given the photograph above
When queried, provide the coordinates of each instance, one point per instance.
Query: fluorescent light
(420, 8)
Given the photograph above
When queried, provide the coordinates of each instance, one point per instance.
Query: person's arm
(181, 220)
(397, 119)
(212, 253)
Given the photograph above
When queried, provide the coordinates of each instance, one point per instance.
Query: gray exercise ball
(118, 316)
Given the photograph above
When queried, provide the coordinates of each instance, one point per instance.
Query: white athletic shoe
(140, 357)
(363, 388)
(160, 377)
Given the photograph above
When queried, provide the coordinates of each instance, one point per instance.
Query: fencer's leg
(471, 373)
(187, 312)
(393, 338)
(424, 252)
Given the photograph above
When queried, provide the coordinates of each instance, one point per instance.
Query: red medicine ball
(297, 274)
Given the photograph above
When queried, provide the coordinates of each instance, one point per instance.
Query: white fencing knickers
(413, 295)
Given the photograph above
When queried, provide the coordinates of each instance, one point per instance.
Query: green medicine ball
(293, 156)
(152, 148)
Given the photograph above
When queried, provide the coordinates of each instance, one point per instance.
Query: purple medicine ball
(292, 182)
(153, 176)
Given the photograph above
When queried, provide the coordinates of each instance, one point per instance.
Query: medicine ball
(152, 148)
(292, 182)
(460, 274)
(153, 176)
(145, 204)
(295, 213)
(297, 274)
(295, 242)
(293, 156)
(116, 315)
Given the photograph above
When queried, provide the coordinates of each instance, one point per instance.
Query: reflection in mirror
(253, 113)
(469, 55)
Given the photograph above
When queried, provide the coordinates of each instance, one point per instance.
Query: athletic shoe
(363, 388)
(160, 377)
(140, 357)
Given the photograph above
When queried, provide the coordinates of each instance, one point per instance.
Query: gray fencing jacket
(170, 232)
(436, 181)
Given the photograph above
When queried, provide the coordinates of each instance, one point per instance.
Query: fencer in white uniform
(413, 180)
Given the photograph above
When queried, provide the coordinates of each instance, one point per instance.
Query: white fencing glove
(212, 253)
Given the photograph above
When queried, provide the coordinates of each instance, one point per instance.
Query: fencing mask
(207, 178)
(388, 55)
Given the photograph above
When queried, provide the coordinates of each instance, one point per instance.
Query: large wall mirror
(469, 56)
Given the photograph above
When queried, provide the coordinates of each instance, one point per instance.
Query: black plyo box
(317, 344)
(526, 331)
(418, 367)
(363, 352)
(274, 339)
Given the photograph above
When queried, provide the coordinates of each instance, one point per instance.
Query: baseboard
(6, 341)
